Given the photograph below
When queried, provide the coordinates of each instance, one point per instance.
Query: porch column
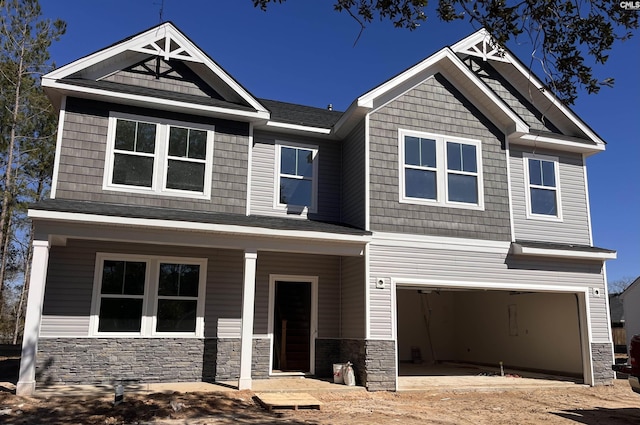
(27, 380)
(248, 301)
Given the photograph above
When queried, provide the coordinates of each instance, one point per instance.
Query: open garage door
(442, 331)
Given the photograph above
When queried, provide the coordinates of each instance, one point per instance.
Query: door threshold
(281, 374)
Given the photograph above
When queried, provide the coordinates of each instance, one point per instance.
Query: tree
(26, 130)
(568, 37)
(619, 285)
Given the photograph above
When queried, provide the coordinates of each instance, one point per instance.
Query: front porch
(235, 331)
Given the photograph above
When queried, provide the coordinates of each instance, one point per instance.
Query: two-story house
(196, 232)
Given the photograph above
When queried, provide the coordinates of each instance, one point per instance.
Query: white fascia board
(518, 249)
(149, 100)
(349, 119)
(564, 144)
(198, 227)
(368, 99)
(295, 128)
(439, 242)
(552, 99)
(471, 40)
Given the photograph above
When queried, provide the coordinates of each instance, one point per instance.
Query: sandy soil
(615, 404)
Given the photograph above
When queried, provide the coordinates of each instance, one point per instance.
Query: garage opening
(476, 332)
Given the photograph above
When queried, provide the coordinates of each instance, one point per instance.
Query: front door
(292, 326)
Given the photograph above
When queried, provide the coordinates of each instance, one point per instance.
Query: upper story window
(542, 187)
(296, 177)
(145, 296)
(147, 155)
(440, 170)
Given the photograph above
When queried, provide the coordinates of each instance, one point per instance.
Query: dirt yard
(615, 404)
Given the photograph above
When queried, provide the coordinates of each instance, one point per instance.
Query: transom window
(297, 177)
(441, 170)
(165, 157)
(148, 296)
(543, 194)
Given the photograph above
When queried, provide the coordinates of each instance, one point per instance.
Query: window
(542, 187)
(440, 170)
(143, 296)
(297, 171)
(164, 157)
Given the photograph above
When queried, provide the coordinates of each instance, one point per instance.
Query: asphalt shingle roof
(299, 114)
(156, 213)
(562, 246)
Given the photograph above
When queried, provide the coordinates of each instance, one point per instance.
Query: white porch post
(248, 301)
(27, 380)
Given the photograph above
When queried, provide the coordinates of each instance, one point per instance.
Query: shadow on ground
(177, 407)
(602, 416)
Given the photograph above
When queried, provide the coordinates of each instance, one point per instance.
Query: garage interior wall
(533, 331)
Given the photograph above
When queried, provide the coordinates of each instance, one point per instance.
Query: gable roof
(509, 66)
(575, 135)
(84, 77)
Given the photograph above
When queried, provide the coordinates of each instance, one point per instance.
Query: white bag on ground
(348, 375)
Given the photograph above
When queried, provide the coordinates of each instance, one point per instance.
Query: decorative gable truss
(167, 47)
(482, 46)
(161, 47)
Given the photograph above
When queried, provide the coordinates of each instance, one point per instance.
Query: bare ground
(615, 404)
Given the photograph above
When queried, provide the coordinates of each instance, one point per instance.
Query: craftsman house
(196, 232)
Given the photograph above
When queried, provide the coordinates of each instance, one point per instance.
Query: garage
(452, 331)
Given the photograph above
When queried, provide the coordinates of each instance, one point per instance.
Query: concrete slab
(465, 377)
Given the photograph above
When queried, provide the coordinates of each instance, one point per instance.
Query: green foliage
(27, 130)
(568, 37)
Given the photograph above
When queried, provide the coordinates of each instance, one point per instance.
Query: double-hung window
(542, 187)
(296, 177)
(148, 155)
(440, 170)
(148, 296)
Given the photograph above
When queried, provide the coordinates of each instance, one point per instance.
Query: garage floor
(463, 377)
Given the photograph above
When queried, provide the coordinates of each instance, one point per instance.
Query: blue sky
(303, 52)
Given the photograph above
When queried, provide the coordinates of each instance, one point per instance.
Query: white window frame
(161, 158)
(313, 208)
(526, 156)
(441, 170)
(150, 297)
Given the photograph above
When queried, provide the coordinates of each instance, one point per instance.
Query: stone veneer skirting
(112, 360)
(374, 361)
(602, 357)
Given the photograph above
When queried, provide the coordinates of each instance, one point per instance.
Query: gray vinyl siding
(170, 79)
(353, 178)
(83, 150)
(70, 279)
(435, 106)
(516, 101)
(326, 267)
(352, 298)
(263, 176)
(574, 228)
(477, 267)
